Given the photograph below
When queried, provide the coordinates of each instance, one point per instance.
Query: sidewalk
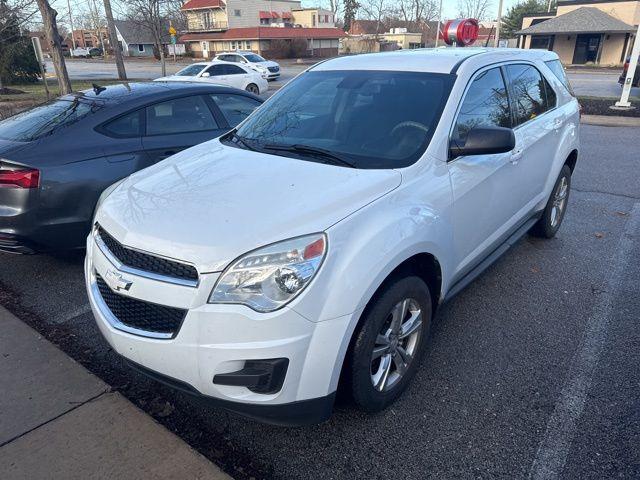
(58, 421)
(610, 121)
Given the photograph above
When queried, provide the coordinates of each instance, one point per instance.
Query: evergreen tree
(350, 11)
(18, 62)
(512, 21)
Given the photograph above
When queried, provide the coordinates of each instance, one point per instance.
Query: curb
(610, 121)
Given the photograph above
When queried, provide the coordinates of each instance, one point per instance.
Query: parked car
(221, 73)
(86, 52)
(268, 68)
(625, 69)
(312, 245)
(57, 158)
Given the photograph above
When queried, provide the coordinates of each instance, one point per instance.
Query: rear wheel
(553, 214)
(389, 344)
(253, 88)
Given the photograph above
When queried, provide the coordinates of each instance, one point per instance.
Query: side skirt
(490, 259)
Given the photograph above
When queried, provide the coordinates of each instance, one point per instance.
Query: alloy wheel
(559, 202)
(396, 344)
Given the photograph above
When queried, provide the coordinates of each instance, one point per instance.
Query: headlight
(270, 277)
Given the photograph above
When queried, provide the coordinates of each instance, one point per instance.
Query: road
(585, 83)
(598, 84)
(534, 370)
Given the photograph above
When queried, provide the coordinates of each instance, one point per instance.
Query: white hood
(212, 203)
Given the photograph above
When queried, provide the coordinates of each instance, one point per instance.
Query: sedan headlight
(270, 277)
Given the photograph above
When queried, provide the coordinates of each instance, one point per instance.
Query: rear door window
(235, 108)
(45, 119)
(216, 70)
(529, 94)
(180, 115)
(486, 104)
(233, 70)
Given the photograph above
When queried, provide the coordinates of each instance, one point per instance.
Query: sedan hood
(212, 203)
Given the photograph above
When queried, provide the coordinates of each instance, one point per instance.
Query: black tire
(548, 225)
(359, 378)
(253, 88)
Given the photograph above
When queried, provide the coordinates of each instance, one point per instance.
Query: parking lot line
(554, 447)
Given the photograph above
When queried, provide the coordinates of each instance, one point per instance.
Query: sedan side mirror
(484, 141)
(205, 75)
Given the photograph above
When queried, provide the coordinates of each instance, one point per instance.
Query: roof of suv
(436, 60)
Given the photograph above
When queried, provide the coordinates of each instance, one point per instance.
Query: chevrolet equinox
(310, 247)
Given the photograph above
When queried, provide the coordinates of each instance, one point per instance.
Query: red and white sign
(461, 32)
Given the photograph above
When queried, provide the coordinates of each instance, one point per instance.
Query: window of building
(529, 92)
(313, 19)
(237, 13)
(206, 20)
(486, 104)
(140, 47)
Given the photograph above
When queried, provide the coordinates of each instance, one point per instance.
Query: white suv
(267, 68)
(312, 245)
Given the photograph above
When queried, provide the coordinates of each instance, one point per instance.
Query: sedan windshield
(368, 119)
(254, 58)
(190, 71)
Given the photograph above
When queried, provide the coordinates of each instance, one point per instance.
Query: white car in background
(269, 69)
(221, 73)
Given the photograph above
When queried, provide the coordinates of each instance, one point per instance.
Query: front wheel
(389, 344)
(253, 88)
(553, 214)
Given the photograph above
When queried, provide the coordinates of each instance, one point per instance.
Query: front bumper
(219, 339)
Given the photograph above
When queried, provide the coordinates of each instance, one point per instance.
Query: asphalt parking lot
(533, 371)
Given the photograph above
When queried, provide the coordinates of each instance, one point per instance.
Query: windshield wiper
(309, 150)
(239, 140)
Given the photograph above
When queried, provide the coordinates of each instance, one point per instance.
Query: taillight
(23, 178)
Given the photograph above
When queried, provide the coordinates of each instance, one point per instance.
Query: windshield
(372, 119)
(190, 71)
(252, 57)
(45, 119)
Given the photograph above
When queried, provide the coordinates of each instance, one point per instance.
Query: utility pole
(53, 38)
(73, 38)
(439, 23)
(113, 40)
(631, 71)
(496, 40)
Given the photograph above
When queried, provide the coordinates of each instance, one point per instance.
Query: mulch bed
(600, 106)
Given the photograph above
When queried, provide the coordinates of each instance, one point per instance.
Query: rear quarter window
(558, 70)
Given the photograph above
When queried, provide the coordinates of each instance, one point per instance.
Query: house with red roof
(215, 26)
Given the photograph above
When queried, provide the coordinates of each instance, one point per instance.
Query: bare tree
(415, 13)
(113, 40)
(55, 45)
(478, 9)
(378, 11)
(152, 16)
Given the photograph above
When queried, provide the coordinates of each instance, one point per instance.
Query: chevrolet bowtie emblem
(117, 281)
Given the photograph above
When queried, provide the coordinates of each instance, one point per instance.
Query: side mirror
(205, 75)
(484, 141)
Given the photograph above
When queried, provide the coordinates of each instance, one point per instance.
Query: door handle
(516, 156)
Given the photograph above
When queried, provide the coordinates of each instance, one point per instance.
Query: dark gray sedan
(57, 158)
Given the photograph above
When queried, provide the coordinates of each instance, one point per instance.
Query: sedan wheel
(253, 88)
